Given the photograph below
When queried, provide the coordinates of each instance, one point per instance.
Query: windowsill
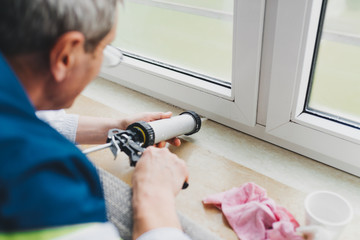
(220, 158)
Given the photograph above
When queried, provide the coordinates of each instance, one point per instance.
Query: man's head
(60, 40)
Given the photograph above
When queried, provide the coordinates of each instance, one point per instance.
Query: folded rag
(254, 216)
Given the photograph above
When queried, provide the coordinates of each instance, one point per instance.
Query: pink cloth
(254, 216)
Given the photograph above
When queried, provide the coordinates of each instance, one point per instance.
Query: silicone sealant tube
(150, 133)
(166, 129)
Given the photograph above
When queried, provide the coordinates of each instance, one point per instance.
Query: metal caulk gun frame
(140, 135)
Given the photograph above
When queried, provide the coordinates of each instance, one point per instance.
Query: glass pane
(191, 35)
(335, 88)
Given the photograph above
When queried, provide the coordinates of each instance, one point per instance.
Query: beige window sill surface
(220, 158)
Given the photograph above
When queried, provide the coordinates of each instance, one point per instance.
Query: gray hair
(28, 26)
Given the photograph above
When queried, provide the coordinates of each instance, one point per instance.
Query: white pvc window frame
(237, 105)
(272, 57)
(332, 143)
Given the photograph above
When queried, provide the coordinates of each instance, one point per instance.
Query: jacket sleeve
(64, 123)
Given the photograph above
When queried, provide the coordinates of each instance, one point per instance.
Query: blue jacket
(45, 180)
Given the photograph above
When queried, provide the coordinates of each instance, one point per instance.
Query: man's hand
(149, 117)
(94, 130)
(145, 116)
(159, 168)
(157, 179)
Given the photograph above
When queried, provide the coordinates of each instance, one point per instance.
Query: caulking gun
(140, 135)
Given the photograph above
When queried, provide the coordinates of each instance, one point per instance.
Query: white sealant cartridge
(154, 132)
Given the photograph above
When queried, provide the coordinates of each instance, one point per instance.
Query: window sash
(322, 139)
(229, 106)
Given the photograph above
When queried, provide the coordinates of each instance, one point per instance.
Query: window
(278, 86)
(194, 37)
(221, 82)
(335, 87)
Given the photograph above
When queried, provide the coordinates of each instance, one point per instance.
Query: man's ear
(64, 53)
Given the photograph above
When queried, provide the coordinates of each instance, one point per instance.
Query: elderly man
(50, 50)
